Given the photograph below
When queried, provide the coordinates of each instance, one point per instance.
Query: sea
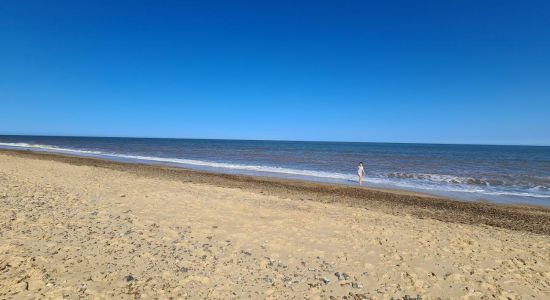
(503, 174)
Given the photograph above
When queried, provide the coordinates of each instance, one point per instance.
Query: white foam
(50, 148)
(192, 162)
(406, 183)
(439, 178)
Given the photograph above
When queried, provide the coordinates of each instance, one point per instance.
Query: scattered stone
(358, 296)
(325, 280)
(82, 289)
(313, 285)
(342, 276)
(129, 278)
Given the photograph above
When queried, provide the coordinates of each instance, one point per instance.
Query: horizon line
(274, 140)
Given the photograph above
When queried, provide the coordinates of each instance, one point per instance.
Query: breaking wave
(416, 181)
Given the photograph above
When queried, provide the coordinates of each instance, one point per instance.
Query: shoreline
(473, 187)
(86, 228)
(535, 219)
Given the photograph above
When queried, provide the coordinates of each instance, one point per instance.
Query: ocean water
(505, 174)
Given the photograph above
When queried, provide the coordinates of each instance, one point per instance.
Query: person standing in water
(361, 173)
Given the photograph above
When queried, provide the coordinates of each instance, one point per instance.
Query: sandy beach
(76, 227)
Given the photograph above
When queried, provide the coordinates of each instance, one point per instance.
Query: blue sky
(393, 71)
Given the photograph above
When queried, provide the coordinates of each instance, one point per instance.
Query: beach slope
(74, 227)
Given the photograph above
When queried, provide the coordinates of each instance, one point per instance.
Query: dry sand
(72, 227)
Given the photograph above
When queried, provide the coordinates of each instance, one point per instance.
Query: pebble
(342, 276)
(407, 297)
(358, 296)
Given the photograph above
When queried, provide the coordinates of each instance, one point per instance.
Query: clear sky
(394, 71)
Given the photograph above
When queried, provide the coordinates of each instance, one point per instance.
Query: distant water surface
(506, 174)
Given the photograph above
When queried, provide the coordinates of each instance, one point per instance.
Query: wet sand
(78, 227)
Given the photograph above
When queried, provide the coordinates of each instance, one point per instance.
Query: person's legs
(360, 180)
